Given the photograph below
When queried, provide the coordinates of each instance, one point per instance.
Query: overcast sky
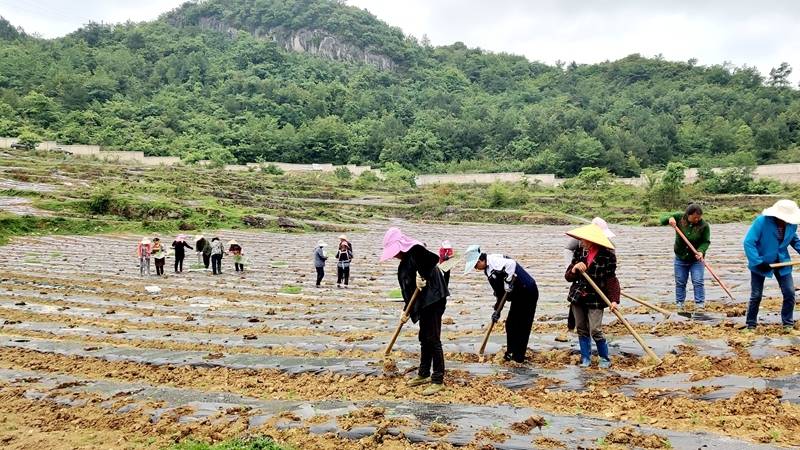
(761, 33)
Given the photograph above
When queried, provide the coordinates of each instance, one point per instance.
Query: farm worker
(344, 256)
(446, 252)
(217, 250)
(237, 255)
(143, 251)
(687, 262)
(570, 247)
(179, 244)
(203, 248)
(160, 255)
(508, 278)
(319, 261)
(596, 258)
(418, 270)
(767, 242)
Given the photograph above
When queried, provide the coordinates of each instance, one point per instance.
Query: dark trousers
(519, 323)
(239, 267)
(206, 259)
(216, 264)
(756, 292)
(447, 278)
(342, 274)
(159, 266)
(430, 341)
(320, 274)
(179, 263)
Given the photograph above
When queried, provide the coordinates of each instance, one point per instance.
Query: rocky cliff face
(315, 42)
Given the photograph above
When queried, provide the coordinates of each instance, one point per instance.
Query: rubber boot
(602, 352)
(585, 343)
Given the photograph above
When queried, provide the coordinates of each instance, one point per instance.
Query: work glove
(764, 267)
(510, 283)
(496, 316)
(420, 282)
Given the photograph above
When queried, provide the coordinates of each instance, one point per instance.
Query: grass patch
(250, 443)
(290, 289)
(395, 293)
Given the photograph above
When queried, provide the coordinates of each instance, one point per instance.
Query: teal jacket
(761, 245)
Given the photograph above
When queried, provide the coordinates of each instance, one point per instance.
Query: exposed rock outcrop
(312, 41)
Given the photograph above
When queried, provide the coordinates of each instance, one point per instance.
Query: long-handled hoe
(627, 325)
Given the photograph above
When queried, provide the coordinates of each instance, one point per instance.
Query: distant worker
(319, 261)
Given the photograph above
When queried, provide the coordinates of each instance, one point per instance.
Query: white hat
(471, 257)
(321, 243)
(342, 237)
(446, 244)
(233, 242)
(146, 241)
(786, 210)
(604, 226)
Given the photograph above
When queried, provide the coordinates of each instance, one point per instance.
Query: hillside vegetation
(215, 80)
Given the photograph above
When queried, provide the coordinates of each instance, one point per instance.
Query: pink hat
(394, 242)
(181, 238)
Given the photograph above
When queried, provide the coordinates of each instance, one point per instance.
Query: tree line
(172, 87)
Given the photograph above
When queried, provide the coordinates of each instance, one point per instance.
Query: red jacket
(445, 254)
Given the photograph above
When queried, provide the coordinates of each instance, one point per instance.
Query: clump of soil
(364, 416)
(631, 437)
(547, 442)
(390, 366)
(359, 338)
(488, 434)
(441, 429)
(528, 424)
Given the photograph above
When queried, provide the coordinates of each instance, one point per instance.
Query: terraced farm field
(89, 359)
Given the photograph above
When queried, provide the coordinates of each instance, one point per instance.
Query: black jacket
(418, 260)
(179, 246)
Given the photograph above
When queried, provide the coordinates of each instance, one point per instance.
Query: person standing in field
(179, 244)
(237, 255)
(203, 249)
(217, 250)
(445, 253)
(687, 262)
(767, 242)
(319, 261)
(143, 251)
(596, 258)
(160, 255)
(418, 271)
(344, 257)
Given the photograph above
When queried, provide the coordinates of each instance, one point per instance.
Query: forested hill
(316, 80)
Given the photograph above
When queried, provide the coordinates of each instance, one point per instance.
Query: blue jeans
(682, 271)
(756, 291)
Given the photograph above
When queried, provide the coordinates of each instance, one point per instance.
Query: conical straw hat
(591, 233)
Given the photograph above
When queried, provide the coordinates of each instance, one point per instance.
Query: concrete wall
(160, 160)
(81, 150)
(236, 168)
(137, 157)
(47, 145)
(470, 178)
(5, 142)
(787, 173)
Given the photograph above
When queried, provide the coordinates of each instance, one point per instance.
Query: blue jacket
(761, 245)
